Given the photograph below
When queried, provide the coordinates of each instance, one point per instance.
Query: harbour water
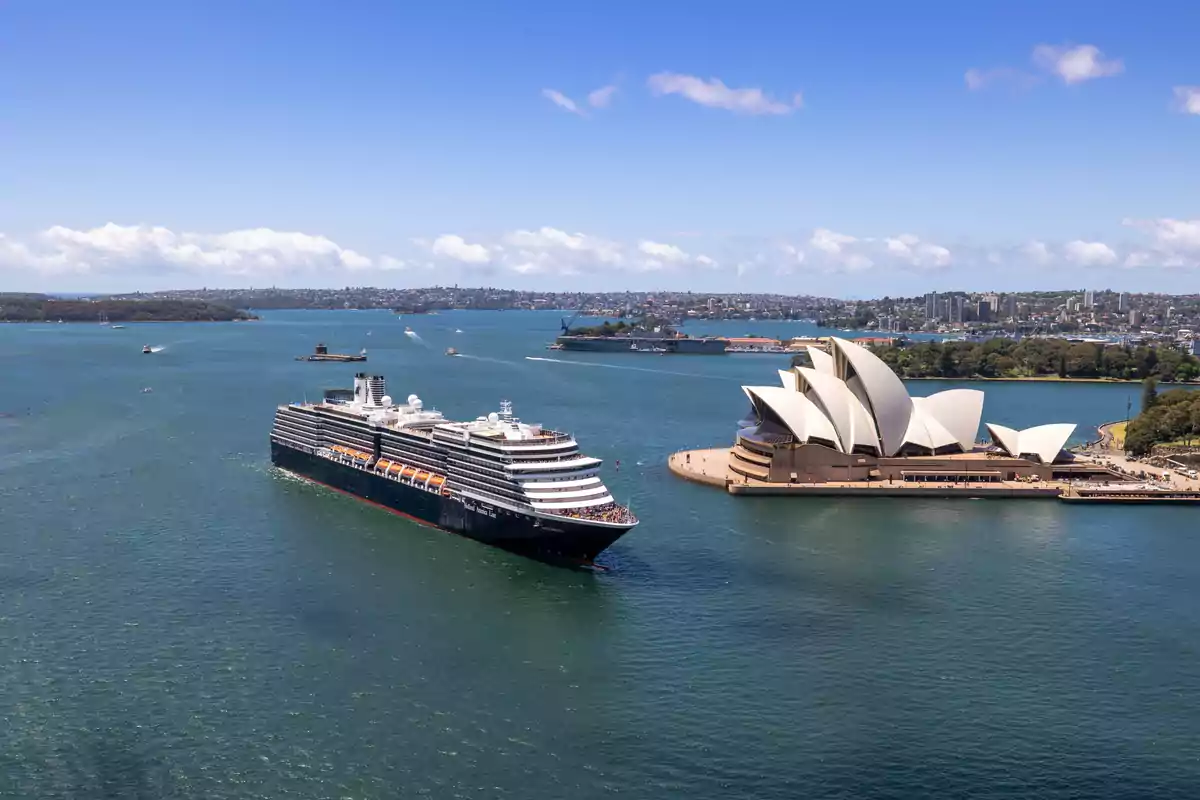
(179, 620)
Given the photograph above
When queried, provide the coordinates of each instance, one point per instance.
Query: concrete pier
(710, 466)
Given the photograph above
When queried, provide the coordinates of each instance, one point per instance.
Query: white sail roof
(890, 405)
(1043, 441)
(853, 400)
(821, 361)
(925, 430)
(958, 410)
(851, 420)
(797, 412)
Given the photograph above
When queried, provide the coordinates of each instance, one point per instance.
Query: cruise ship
(495, 479)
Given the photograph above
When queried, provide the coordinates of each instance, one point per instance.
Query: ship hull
(519, 533)
(624, 344)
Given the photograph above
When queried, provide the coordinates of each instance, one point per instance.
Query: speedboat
(450, 351)
(146, 350)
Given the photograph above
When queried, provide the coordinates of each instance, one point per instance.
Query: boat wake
(158, 348)
(623, 367)
(483, 358)
(416, 337)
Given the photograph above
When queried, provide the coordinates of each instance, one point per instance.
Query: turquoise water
(179, 620)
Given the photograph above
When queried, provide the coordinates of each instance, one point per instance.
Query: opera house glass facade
(849, 417)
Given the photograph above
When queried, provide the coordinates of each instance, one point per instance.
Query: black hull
(519, 533)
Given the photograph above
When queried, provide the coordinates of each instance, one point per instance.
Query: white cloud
(1173, 243)
(458, 249)
(840, 250)
(705, 261)
(602, 97)
(911, 249)
(1089, 254)
(1037, 252)
(1076, 64)
(829, 241)
(795, 253)
(665, 252)
(597, 98)
(715, 94)
(562, 101)
(114, 248)
(979, 79)
(1187, 99)
(549, 250)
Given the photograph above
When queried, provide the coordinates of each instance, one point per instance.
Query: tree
(1149, 393)
(1062, 365)
(946, 363)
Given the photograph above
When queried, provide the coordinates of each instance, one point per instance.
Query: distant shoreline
(95, 324)
(1052, 379)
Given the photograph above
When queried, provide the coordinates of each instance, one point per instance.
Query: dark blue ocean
(179, 620)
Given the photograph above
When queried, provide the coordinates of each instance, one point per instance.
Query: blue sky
(936, 145)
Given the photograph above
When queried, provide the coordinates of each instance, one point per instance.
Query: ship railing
(609, 512)
(544, 438)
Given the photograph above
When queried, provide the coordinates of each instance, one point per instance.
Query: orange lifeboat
(395, 468)
(422, 476)
(409, 472)
(436, 480)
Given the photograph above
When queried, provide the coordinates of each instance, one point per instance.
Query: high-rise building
(1071, 303)
(957, 305)
(983, 311)
(931, 307)
(1135, 317)
(1089, 298)
(1123, 302)
(993, 302)
(1010, 306)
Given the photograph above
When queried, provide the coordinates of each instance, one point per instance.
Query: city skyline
(830, 152)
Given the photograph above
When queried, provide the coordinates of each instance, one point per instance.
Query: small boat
(147, 390)
(146, 350)
(450, 351)
(408, 329)
(118, 327)
(458, 330)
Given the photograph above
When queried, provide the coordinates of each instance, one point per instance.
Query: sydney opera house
(848, 417)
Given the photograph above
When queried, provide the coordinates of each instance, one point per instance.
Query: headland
(42, 308)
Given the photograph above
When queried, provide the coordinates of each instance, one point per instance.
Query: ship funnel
(370, 390)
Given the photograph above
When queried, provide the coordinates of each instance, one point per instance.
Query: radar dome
(414, 401)
(493, 417)
(387, 400)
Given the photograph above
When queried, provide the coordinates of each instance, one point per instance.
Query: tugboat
(146, 350)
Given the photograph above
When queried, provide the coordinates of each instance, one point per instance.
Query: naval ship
(495, 479)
